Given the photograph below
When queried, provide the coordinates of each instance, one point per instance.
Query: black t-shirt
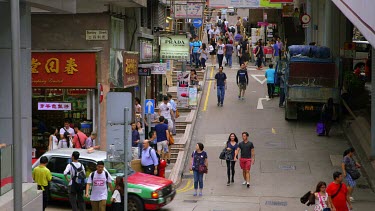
(246, 149)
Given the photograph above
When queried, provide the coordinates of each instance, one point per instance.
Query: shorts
(350, 181)
(245, 163)
(163, 145)
(242, 86)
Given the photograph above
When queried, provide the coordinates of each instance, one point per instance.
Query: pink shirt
(82, 138)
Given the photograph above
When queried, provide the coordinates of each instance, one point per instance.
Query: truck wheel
(135, 203)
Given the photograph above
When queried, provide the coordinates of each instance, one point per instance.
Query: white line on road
(260, 105)
(259, 80)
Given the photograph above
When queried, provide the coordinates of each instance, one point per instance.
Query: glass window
(117, 35)
(57, 164)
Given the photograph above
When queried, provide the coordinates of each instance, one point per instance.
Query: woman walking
(118, 195)
(53, 140)
(328, 112)
(204, 54)
(231, 156)
(199, 165)
(349, 166)
(141, 132)
(213, 51)
(321, 198)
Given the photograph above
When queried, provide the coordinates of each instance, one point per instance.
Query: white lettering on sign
(54, 106)
(96, 34)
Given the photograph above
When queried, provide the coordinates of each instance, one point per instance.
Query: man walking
(42, 175)
(162, 137)
(100, 180)
(247, 158)
(166, 110)
(174, 109)
(196, 46)
(149, 159)
(275, 53)
(270, 76)
(64, 143)
(338, 195)
(75, 193)
(221, 84)
(282, 89)
(79, 140)
(229, 49)
(242, 81)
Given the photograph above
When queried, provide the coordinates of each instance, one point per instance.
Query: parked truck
(309, 82)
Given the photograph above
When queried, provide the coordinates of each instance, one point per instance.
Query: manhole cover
(287, 167)
(363, 186)
(188, 176)
(190, 201)
(277, 203)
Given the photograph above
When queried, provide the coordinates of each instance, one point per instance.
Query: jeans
(191, 59)
(229, 59)
(282, 96)
(198, 180)
(271, 89)
(203, 62)
(230, 167)
(75, 198)
(220, 94)
(220, 58)
(259, 61)
(196, 59)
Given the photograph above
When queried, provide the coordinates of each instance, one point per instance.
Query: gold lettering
(34, 65)
(52, 65)
(71, 66)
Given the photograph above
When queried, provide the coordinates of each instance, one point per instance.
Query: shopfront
(64, 88)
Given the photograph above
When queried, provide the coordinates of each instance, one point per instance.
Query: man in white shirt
(100, 180)
(166, 110)
(63, 142)
(211, 33)
(74, 195)
(208, 28)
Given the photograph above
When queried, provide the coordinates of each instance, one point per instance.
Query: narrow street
(290, 158)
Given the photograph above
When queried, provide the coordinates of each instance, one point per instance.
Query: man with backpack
(76, 182)
(100, 180)
(149, 160)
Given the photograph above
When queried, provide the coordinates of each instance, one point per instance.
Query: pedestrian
(229, 49)
(75, 168)
(204, 55)
(199, 166)
(220, 52)
(118, 195)
(135, 140)
(66, 135)
(270, 76)
(174, 110)
(152, 139)
(79, 140)
(238, 38)
(338, 195)
(282, 89)
(245, 51)
(208, 28)
(99, 180)
(321, 197)
(191, 46)
(328, 112)
(221, 84)
(280, 47)
(196, 46)
(165, 110)
(213, 51)
(349, 167)
(42, 176)
(193, 77)
(141, 132)
(162, 135)
(259, 55)
(242, 79)
(149, 159)
(247, 157)
(53, 141)
(91, 141)
(275, 52)
(238, 24)
(231, 156)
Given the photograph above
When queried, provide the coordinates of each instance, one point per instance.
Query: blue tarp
(310, 60)
(310, 51)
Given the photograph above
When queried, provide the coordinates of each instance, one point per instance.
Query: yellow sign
(266, 3)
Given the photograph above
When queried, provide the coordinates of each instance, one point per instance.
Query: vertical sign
(183, 79)
(193, 96)
(130, 68)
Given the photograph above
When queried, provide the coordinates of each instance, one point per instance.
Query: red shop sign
(281, 1)
(76, 70)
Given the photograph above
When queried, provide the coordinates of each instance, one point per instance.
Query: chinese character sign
(63, 69)
(54, 106)
(131, 60)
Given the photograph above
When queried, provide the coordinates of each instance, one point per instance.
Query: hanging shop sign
(54, 106)
(159, 68)
(51, 69)
(288, 10)
(96, 34)
(188, 10)
(183, 79)
(268, 4)
(174, 47)
(145, 53)
(131, 60)
(144, 71)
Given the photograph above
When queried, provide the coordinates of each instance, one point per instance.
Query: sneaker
(200, 194)
(239, 97)
(244, 183)
(169, 161)
(221, 105)
(248, 185)
(228, 183)
(218, 104)
(351, 199)
(232, 181)
(195, 194)
(242, 98)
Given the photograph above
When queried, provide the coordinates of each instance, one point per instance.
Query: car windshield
(116, 168)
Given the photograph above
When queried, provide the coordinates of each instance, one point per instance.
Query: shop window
(117, 33)
(57, 164)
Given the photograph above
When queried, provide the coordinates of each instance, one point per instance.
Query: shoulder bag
(338, 190)
(353, 171)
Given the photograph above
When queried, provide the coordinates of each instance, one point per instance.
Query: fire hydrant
(161, 168)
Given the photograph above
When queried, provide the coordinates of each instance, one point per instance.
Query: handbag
(202, 169)
(177, 114)
(222, 155)
(171, 140)
(320, 128)
(308, 198)
(354, 173)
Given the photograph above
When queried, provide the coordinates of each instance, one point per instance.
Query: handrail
(348, 108)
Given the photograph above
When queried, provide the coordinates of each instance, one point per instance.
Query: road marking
(209, 90)
(260, 105)
(259, 80)
(189, 186)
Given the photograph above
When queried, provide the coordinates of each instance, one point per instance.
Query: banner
(159, 68)
(244, 3)
(174, 47)
(266, 3)
(131, 60)
(193, 96)
(282, 1)
(183, 80)
(75, 70)
(116, 66)
(145, 51)
(189, 10)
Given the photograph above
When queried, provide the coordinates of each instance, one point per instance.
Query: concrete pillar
(372, 104)
(6, 83)
(309, 29)
(328, 23)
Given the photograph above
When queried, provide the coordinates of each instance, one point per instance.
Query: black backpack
(79, 178)
(220, 23)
